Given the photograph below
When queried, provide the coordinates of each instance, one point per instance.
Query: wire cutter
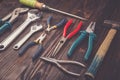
(90, 31)
(60, 62)
(65, 37)
(38, 41)
(11, 18)
(49, 27)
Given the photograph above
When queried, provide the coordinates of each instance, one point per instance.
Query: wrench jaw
(36, 28)
(34, 14)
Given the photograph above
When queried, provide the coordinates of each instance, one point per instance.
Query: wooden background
(13, 67)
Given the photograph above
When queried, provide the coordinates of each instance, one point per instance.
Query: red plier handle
(74, 31)
(66, 27)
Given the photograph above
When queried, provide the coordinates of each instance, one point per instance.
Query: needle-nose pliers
(59, 63)
(65, 37)
(90, 31)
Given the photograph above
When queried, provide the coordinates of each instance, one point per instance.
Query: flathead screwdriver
(36, 4)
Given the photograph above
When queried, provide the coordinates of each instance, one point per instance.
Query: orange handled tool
(36, 4)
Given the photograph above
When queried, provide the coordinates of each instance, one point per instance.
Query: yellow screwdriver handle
(32, 3)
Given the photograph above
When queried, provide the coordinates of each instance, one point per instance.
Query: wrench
(33, 14)
(34, 29)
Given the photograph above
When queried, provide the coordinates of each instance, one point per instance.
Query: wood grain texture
(13, 67)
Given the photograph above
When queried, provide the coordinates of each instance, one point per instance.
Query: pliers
(38, 42)
(90, 30)
(10, 18)
(65, 37)
(49, 27)
(60, 62)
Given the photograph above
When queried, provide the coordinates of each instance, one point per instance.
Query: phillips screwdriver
(36, 4)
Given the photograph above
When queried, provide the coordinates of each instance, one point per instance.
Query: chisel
(39, 5)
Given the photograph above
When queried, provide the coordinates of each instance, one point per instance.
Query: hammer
(90, 74)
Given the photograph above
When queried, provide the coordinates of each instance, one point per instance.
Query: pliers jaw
(91, 27)
(16, 13)
(40, 39)
(22, 10)
(51, 28)
(48, 59)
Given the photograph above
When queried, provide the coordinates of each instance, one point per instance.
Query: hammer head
(112, 23)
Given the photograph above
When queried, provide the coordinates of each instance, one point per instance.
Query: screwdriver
(36, 4)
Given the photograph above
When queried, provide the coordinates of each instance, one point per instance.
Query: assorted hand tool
(65, 37)
(11, 17)
(33, 14)
(49, 27)
(60, 62)
(36, 4)
(90, 31)
(38, 42)
(41, 38)
(35, 28)
(102, 49)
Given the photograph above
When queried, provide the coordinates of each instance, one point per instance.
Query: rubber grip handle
(38, 52)
(62, 22)
(90, 46)
(76, 43)
(25, 47)
(75, 31)
(66, 27)
(48, 20)
(100, 54)
(5, 26)
(1, 22)
(32, 3)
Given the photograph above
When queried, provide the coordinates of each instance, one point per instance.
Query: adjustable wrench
(34, 29)
(32, 16)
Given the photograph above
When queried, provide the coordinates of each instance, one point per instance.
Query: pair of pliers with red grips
(66, 37)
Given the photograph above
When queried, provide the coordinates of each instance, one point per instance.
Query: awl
(36, 4)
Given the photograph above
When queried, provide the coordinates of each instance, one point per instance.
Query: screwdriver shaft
(62, 12)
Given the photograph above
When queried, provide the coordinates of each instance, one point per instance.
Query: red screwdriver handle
(66, 27)
(75, 30)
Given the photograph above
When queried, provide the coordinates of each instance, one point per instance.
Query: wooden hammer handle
(100, 54)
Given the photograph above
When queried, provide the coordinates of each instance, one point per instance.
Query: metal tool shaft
(65, 13)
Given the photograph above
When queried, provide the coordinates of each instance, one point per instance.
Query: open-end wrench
(32, 16)
(34, 29)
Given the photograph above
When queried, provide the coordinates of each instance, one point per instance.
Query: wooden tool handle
(106, 43)
(39, 5)
(100, 54)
